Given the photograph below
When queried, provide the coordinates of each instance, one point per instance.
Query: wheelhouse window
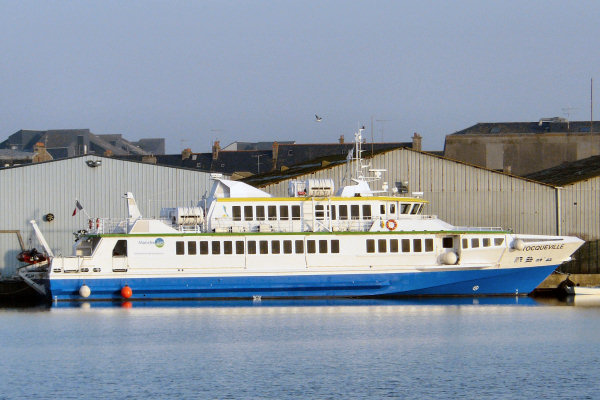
(179, 248)
(392, 208)
(415, 209)
(237, 213)
(320, 211)
(406, 208)
(333, 212)
(248, 213)
(382, 209)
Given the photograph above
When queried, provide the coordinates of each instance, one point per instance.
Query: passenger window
(382, 245)
(204, 247)
(498, 241)
(335, 246)
(474, 243)
(191, 248)
(310, 247)
(296, 213)
(354, 211)
(406, 245)
(251, 247)
(216, 247)
(428, 244)
(284, 213)
(486, 242)
(260, 213)
(343, 212)
(239, 247)
(264, 246)
(322, 246)
(447, 243)
(417, 245)
(272, 210)
(248, 213)
(275, 249)
(370, 245)
(237, 213)
(465, 243)
(228, 247)
(394, 245)
(366, 210)
(179, 248)
(287, 246)
(299, 247)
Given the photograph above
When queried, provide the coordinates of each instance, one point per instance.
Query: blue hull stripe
(469, 282)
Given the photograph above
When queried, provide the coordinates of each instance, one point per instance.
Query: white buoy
(518, 245)
(449, 258)
(85, 291)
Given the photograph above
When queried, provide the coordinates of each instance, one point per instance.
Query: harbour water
(439, 348)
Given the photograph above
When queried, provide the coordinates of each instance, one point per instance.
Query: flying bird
(319, 119)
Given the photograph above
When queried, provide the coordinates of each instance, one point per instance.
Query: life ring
(391, 224)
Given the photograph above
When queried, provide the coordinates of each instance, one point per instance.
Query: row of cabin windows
(485, 242)
(322, 211)
(257, 247)
(251, 213)
(397, 245)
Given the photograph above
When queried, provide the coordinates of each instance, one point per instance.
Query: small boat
(243, 243)
(32, 256)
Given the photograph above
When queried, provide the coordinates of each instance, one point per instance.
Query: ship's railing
(479, 228)
(228, 225)
(107, 225)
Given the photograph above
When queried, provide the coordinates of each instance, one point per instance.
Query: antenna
(567, 112)
(592, 105)
(382, 126)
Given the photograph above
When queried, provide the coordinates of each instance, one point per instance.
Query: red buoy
(126, 292)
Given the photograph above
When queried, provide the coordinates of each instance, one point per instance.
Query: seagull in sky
(318, 119)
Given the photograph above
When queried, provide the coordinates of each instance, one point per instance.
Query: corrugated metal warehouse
(35, 190)
(459, 193)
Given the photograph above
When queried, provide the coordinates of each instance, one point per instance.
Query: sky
(198, 71)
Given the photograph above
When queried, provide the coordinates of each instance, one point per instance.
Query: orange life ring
(391, 224)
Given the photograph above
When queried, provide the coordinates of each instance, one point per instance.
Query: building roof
(545, 125)
(569, 172)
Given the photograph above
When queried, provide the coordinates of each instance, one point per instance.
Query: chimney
(416, 142)
(215, 150)
(149, 159)
(341, 139)
(186, 153)
(108, 153)
(40, 153)
(275, 155)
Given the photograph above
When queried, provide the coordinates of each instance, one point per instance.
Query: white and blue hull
(492, 281)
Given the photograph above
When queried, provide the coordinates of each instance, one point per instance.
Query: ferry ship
(241, 242)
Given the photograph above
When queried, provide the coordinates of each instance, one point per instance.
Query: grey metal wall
(32, 191)
(459, 193)
(580, 205)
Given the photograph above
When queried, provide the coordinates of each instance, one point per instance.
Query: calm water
(487, 348)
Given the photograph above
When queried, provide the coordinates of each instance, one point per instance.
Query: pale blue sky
(199, 71)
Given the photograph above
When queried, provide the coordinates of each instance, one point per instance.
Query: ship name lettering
(545, 247)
